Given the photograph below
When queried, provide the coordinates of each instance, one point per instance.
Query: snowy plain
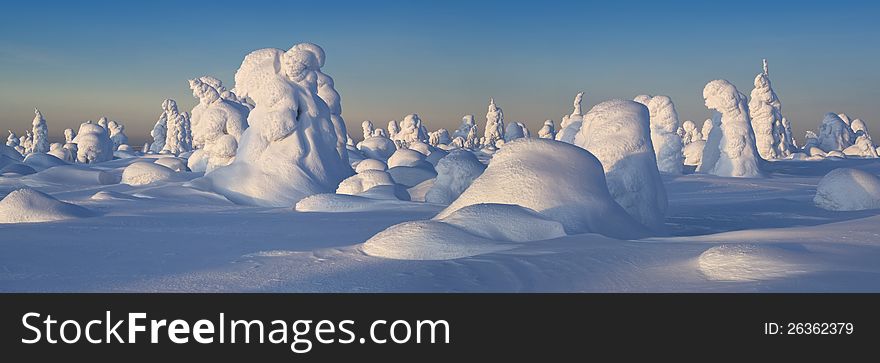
(721, 235)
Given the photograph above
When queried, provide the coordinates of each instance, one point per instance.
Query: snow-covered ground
(724, 234)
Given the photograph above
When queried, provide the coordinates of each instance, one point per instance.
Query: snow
(411, 131)
(848, 189)
(467, 122)
(730, 149)
(29, 206)
(377, 147)
(455, 172)
(571, 124)
(143, 173)
(289, 151)
(707, 128)
(370, 164)
(667, 144)
(407, 157)
(117, 134)
(834, 133)
(752, 262)
(40, 161)
(439, 137)
(560, 181)
(412, 176)
(216, 123)
(618, 133)
(547, 131)
(93, 144)
(862, 147)
(364, 181)
(40, 134)
(494, 131)
(693, 153)
(175, 164)
(690, 133)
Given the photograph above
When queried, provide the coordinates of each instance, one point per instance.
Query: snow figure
(707, 128)
(667, 144)
(863, 147)
(69, 134)
(690, 132)
(859, 128)
(367, 127)
(471, 141)
(811, 140)
(730, 149)
(765, 111)
(41, 134)
(12, 139)
(618, 133)
(103, 122)
(93, 144)
(788, 140)
(439, 137)
(213, 119)
(26, 142)
(411, 130)
(494, 131)
(466, 122)
(289, 151)
(379, 133)
(117, 134)
(58, 150)
(315, 58)
(548, 131)
(513, 131)
(159, 132)
(393, 129)
(178, 138)
(571, 123)
(455, 172)
(834, 133)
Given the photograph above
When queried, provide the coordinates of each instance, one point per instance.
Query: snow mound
(28, 205)
(377, 147)
(175, 164)
(418, 192)
(16, 168)
(41, 161)
(74, 175)
(364, 181)
(407, 157)
(370, 164)
(846, 189)
(469, 231)
(340, 203)
(751, 262)
(618, 133)
(560, 181)
(143, 173)
(109, 195)
(409, 176)
(455, 172)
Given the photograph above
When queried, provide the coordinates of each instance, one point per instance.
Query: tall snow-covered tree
(765, 110)
(40, 133)
(494, 131)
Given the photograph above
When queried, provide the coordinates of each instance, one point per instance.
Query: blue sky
(81, 60)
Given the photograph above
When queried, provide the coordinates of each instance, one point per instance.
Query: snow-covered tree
(103, 122)
(367, 127)
(41, 133)
(664, 123)
(411, 130)
(765, 111)
(859, 128)
(787, 137)
(513, 131)
(212, 119)
(466, 122)
(690, 133)
(93, 144)
(178, 139)
(730, 150)
(618, 133)
(707, 128)
(494, 131)
(472, 141)
(159, 132)
(393, 129)
(548, 131)
(439, 137)
(862, 147)
(834, 133)
(12, 139)
(571, 123)
(69, 134)
(289, 150)
(117, 134)
(26, 142)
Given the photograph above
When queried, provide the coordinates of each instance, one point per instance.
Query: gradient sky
(81, 60)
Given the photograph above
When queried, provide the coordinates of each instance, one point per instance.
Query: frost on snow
(93, 144)
(40, 134)
(548, 131)
(289, 151)
(846, 189)
(571, 123)
(834, 133)
(664, 124)
(455, 172)
(730, 149)
(562, 182)
(618, 133)
(494, 131)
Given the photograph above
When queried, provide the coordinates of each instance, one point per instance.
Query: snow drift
(28, 205)
(455, 172)
(846, 189)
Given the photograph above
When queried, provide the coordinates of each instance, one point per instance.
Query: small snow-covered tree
(393, 129)
(834, 133)
(707, 128)
(513, 131)
(494, 131)
(472, 141)
(859, 128)
(159, 132)
(26, 142)
(103, 122)
(178, 139)
(466, 122)
(548, 131)
(411, 130)
(730, 150)
(41, 133)
(439, 137)
(367, 127)
(690, 133)
(664, 123)
(571, 123)
(12, 139)
(69, 134)
(117, 134)
(93, 144)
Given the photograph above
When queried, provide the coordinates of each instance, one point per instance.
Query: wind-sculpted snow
(455, 172)
(28, 206)
(617, 132)
(560, 181)
(377, 147)
(217, 125)
(290, 149)
(863, 147)
(834, 133)
(143, 173)
(664, 124)
(847, 189)
(730, 149)
(571, 123)
(93, 144)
